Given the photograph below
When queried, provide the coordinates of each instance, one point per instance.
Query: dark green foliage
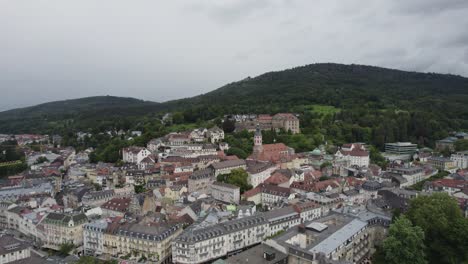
(12, 159)
(237, 177)
(461, 145)
(66, 248)
(404, 243)
(445, 228)
(237, 152)
(41, 160)
(139, 188)
(377, 158)
(229, 125)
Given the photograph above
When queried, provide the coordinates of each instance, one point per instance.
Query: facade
(224, 192)
(460, 159)
(446, 143)
(215, 134)
(355, 154)
(205, 244)
(259, 171)
(200, 181)
(62, 228)
(412, 175)
(441, 163)
(13, 250)
(225, 167)
(116, 207)
(286, 121)
(118, 239)
(134, 154)
(401, 148)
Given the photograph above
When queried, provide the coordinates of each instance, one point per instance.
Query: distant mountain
(41, 117)
(363, 93)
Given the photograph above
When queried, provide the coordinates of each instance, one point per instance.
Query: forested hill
(80, 112)
(368, 104)
(343, 86)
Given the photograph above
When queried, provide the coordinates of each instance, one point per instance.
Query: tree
(229, 125)
(237, 177)
(178, 118)
(66, 248)
(461, 145)
(404, 243)
(445, 228)
(237, 152)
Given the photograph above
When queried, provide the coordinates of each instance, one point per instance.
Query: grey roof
(9, 244)
(192, 234)
(255, 255)
(329, 244)
(202, 174)
(228, 164)
(156, 233)
(63, 219)
(226, 185)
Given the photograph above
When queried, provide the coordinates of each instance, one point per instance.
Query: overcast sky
(161, 50)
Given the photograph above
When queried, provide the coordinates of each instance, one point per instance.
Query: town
(185, 198)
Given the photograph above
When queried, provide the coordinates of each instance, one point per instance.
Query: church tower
(258, 145)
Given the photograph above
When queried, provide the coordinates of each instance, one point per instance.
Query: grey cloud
(52, 49)
(428, 7)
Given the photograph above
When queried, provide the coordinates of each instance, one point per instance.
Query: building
(215, 134)
(134, 154)
(355, 154)
(336, 238)
(97, 198)
(401, 148)
(442, 163)
(205, 244)
(13, 250)
(446, 143)
(61, 228)
(449, 186)
(225, 167)
(118, 238)
(225, 192)
(275, 153)
(460, 159)
(259, 254)
(200, 181)
(286, 121)
(412, 175)
(259, 171)
(280, 121)
(268, 195)
(116, 207)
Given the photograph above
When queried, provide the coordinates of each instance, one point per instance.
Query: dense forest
(336, 103)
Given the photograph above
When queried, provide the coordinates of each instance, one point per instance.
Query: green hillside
(342, 103)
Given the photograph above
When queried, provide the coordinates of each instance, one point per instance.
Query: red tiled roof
(117, 204)
(277, 178)
(456, 184)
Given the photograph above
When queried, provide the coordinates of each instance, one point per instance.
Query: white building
(204, 244)
(259, 172)
(460, 159)
(355, 153)
(215, 134)
(13, 250)
(134, 154)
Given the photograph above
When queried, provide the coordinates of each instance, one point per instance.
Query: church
(276, 153)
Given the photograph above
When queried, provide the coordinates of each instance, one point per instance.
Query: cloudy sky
(161, 50)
